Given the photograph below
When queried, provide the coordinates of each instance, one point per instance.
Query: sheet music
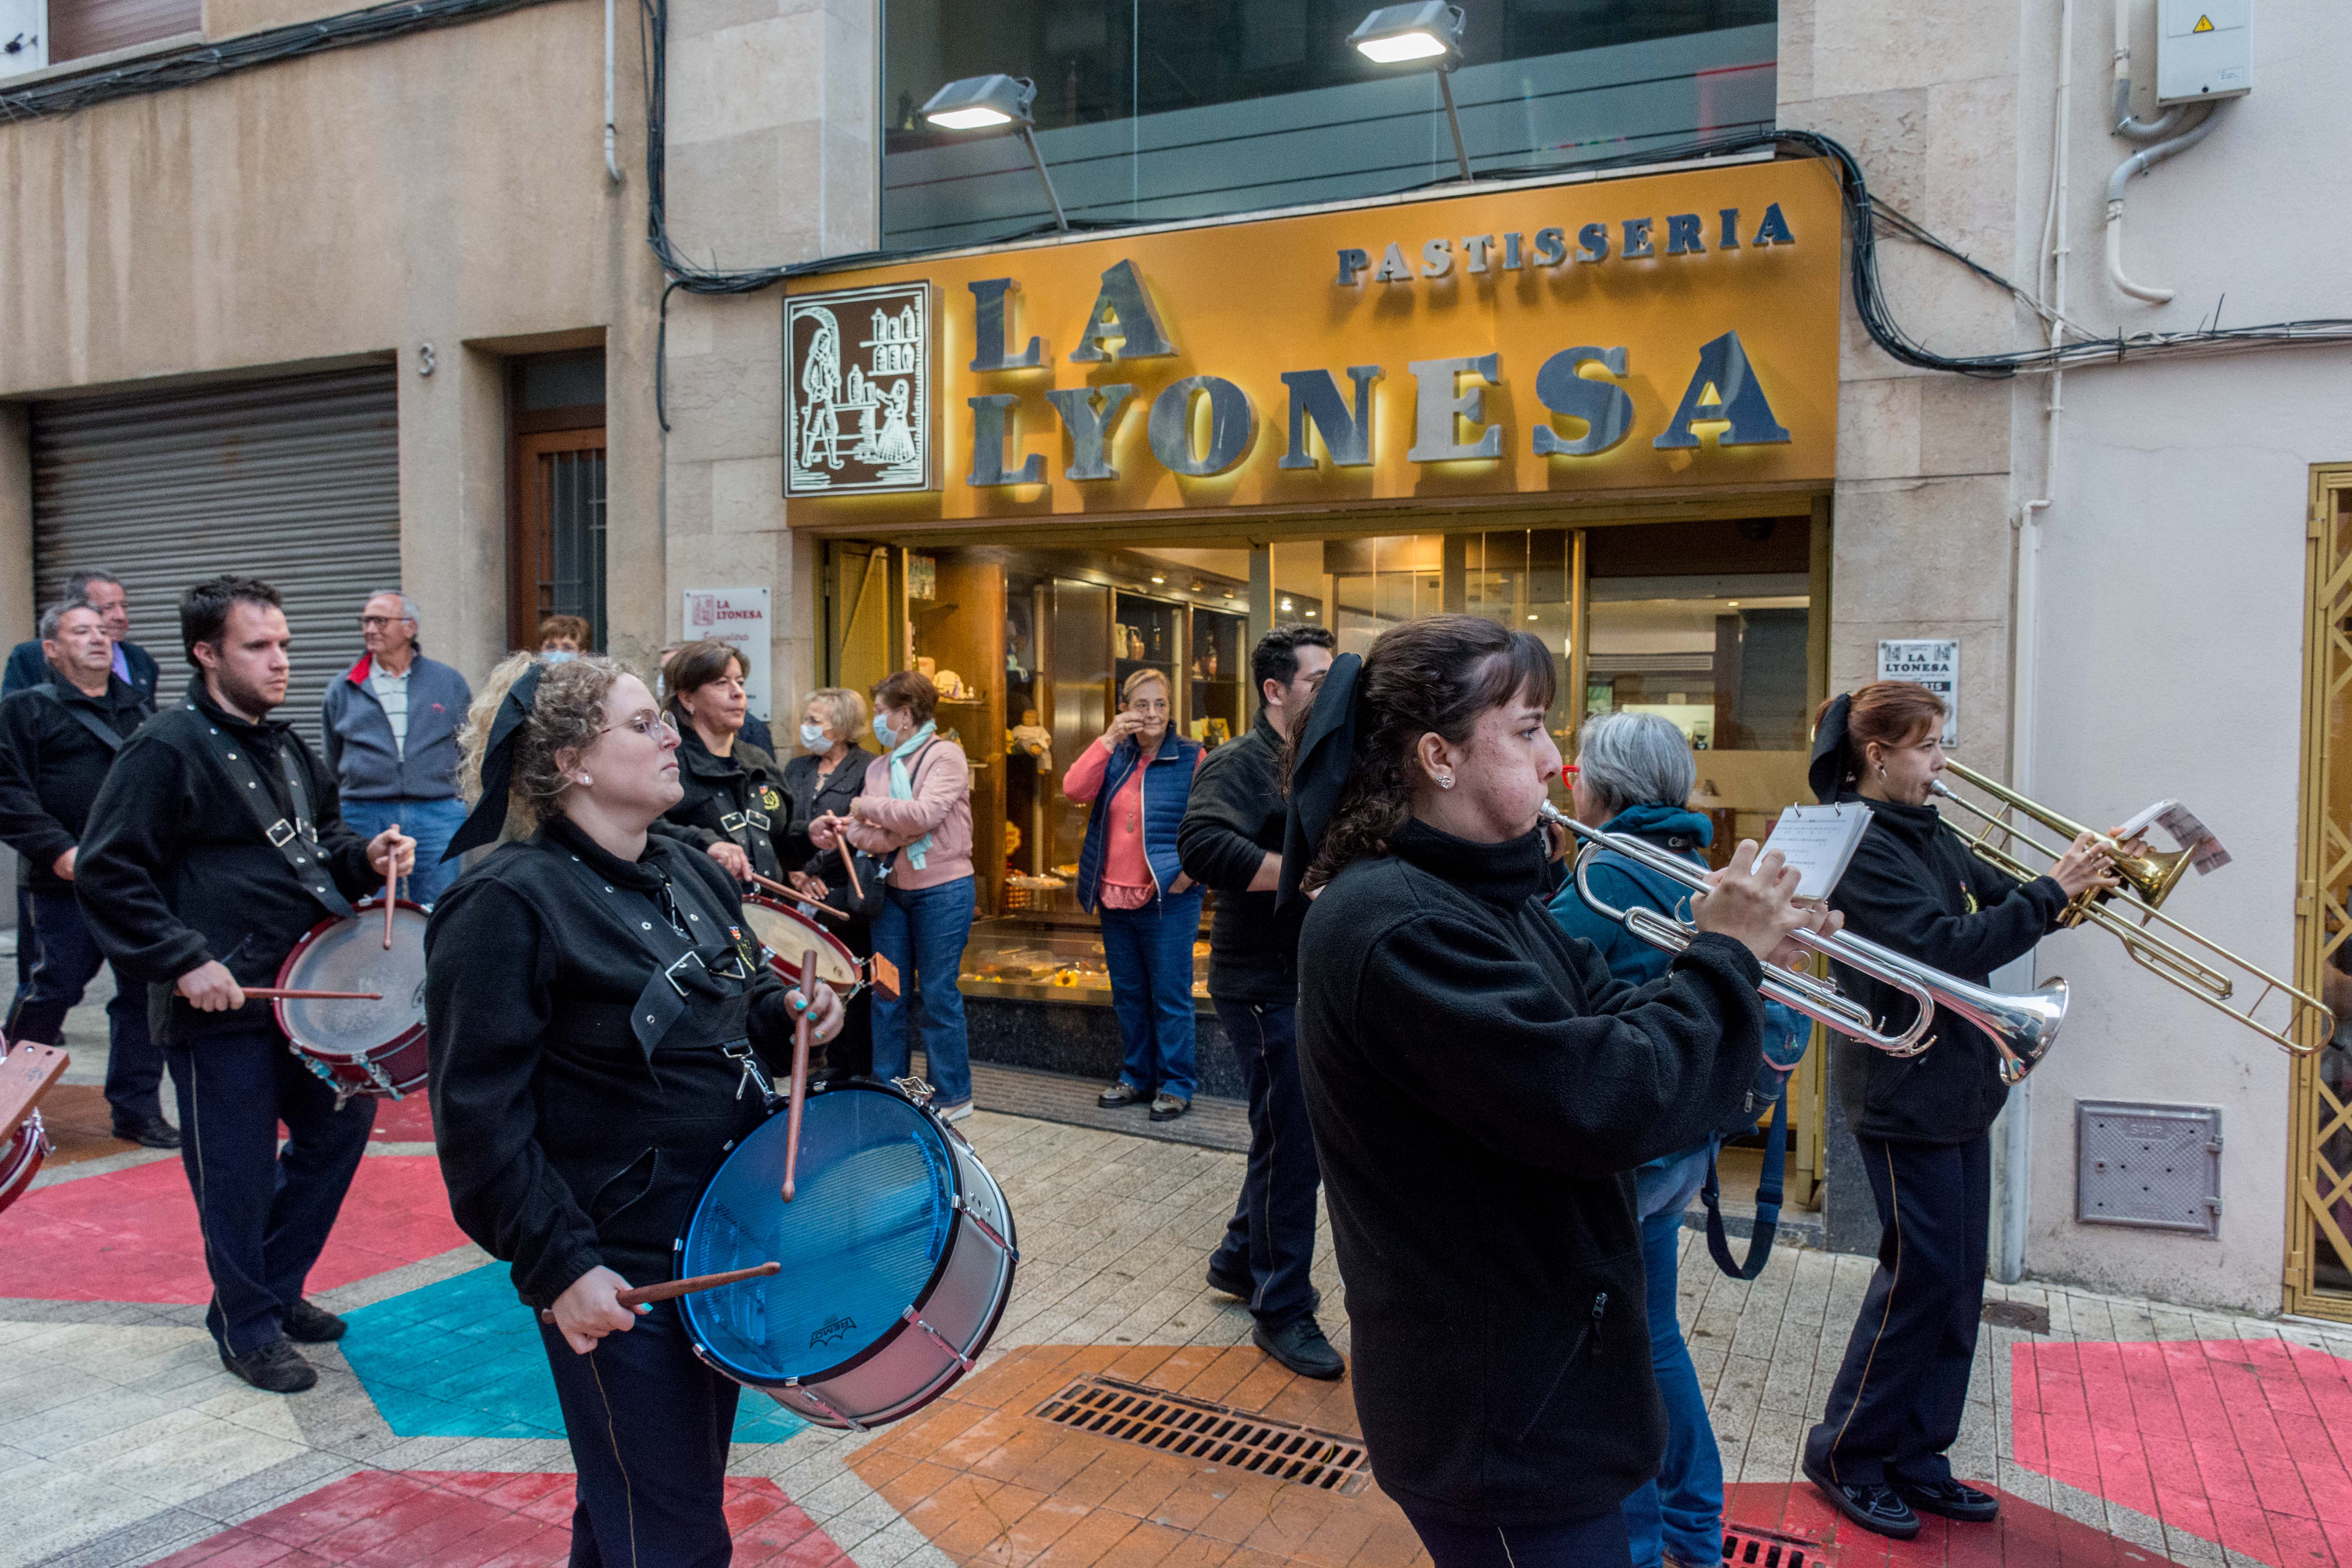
(1819, 841)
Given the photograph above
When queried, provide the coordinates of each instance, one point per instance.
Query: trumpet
(2022, 1028)
(2195, 963)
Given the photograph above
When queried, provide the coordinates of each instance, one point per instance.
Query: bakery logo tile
(857, 390)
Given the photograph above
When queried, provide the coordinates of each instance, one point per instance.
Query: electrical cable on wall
(1865, 217)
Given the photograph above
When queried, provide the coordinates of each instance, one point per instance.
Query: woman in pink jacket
(915, 815)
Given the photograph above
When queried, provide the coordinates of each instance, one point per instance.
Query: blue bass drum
(897, 1251)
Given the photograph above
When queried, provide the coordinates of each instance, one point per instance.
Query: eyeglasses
(370, 622)
(646, 726)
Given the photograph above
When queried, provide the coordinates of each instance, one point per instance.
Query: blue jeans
(1680, 1514)
(923, 931)
(65, 958)
(1271, 1239)
(1149, 954)
(432, 822)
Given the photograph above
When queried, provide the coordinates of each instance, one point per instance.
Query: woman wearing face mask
(915, 812)
(733, 806)
(1481, 1090)
(596, 1010)
(1895, 1407)
(1139, 776)
(562, 639)
(822, 782)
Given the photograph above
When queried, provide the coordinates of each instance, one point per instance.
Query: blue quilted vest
(1166, 786)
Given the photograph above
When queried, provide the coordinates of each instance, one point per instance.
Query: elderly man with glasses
(390, 723)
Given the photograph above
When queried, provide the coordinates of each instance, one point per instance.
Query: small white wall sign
(1934, 663)
(738, 618)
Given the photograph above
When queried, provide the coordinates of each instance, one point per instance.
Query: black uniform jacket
(747, 779)
(563, 1142)
(1480, 1090)
(51, 765)
(1231, 823)
(1914, 887)
(174, 871)
(810, 798)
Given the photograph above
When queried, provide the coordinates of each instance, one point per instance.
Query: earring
(1446, 782)
(585, 781)
(1882, 773)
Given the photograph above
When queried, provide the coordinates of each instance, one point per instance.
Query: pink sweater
(1127, 872)
(942, 808)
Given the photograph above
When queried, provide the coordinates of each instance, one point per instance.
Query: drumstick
(800, 1032)
(391, 892)
(849, 864)
(671, 1289)
(270, 994)
(796, 895)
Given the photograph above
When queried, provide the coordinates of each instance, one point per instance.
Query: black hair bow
(1325, 753)
(1827, 770)
(489, 814)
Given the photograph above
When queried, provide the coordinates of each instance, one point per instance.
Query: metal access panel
(2155, 1166)
(2204, 49)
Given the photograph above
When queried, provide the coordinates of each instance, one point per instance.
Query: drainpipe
(2140, 163)
(611, 165)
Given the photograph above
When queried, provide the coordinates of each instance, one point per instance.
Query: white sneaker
(960, 1111)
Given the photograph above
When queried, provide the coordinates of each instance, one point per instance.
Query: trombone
(2021, 1027)
(2195, 963)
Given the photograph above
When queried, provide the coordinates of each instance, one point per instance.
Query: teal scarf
(902, 786)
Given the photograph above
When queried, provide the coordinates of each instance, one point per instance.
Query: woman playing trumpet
(1879, 1450)
(1481, 1091)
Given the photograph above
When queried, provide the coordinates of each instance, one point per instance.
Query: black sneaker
(1300, 1345)
(1119, 1094)
(313, 1325)
(1878, 1509)
(154, 1131)
(1169, 1107)
(1952, 1499)
(276, 1367)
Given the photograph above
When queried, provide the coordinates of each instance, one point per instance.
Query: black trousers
(1898, 1401)
(65, 960)
(265, 1213)
(1271, 1239)
(649, 1426)
(1584, 1543)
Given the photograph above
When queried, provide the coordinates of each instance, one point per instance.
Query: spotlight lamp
(1426, 32)
(995, 103)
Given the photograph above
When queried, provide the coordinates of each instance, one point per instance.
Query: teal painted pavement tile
(461, 1358)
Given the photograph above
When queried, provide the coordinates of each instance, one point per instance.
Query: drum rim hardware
(321, 1060)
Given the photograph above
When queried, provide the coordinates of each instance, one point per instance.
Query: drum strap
(709, 977)
(82, 716)
(295, 837)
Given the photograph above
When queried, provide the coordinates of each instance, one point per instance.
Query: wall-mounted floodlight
(1427, 30)
(994, 103)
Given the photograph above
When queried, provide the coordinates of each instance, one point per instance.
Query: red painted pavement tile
(131, 1235)
(426, 1519)
(408, 1119)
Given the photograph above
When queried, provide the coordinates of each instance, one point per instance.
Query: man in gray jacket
(390, 723)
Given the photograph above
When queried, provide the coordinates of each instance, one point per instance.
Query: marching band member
(733, 807)
(214, 844)
(1879, 1450)
(596, 1006)
(1481, 1091)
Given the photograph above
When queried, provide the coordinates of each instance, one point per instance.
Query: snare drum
(20, 1160)
(898, 1254)
(787, 933)
(360, 1048)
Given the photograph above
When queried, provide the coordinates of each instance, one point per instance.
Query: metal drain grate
(1751, 1546)
(1212, 1433)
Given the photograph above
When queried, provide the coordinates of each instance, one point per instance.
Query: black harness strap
(295, 838)
(689, 962)
(82, 715)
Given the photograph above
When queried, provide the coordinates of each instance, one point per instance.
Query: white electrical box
(2204, 49)
(23, 37)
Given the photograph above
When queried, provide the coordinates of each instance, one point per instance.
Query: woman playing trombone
(1481, 1090)
(1879, 1450)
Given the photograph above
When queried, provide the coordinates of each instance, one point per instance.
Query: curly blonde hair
(567, 714)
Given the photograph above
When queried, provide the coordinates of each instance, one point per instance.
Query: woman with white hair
(1633, 775)
(825, 780)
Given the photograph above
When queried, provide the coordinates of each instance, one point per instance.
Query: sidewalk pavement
(2122, 1433)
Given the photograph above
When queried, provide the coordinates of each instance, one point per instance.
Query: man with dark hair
(1231, 840)
(57, 739)
(214, 844)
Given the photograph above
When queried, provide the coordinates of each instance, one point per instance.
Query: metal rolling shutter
(295, 480)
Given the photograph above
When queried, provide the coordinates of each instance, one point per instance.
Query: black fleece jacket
(174, 869)
(1480, 1090)
(51, 766)
(1914, 887)
(746, 779)
(564, 1143)
(1233, 821)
